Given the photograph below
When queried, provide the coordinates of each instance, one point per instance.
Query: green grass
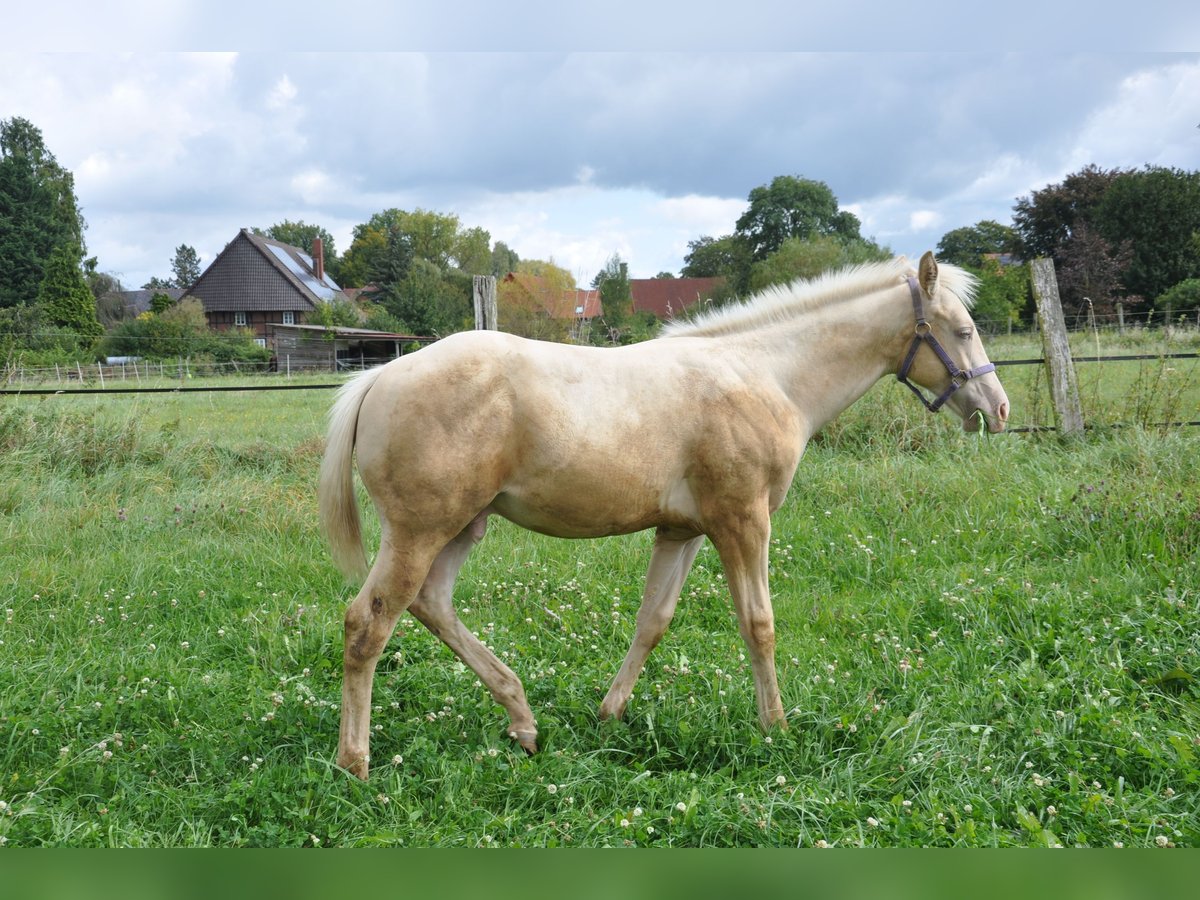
(981, 642)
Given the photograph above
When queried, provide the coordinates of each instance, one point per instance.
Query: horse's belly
(586, 509)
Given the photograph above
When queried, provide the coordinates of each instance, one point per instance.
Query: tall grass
(982, 642)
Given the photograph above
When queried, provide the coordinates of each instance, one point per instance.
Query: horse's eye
(965, 333)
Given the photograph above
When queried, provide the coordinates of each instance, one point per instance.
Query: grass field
(981, 642)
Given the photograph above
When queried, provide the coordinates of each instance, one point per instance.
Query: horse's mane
(782, 303)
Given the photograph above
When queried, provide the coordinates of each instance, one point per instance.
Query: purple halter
(924, 335)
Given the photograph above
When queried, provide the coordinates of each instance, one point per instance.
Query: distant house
(256, 282)
(133, 303)
(668, 297)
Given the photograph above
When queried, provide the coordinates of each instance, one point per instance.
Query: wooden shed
(300, 348)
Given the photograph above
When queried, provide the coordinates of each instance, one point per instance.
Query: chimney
(318, 255)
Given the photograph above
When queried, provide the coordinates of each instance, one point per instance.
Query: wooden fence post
(484, 294)
(1060, 371)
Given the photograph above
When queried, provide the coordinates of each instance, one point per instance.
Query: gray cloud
(171, 147)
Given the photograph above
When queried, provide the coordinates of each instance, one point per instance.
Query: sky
(628, 129)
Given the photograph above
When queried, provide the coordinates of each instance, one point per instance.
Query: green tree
(185, 266)
(1183, 296)
(792, 207)
(300, 235)
(64, 295)
(426, 301)
(710, 257)
(968, 246)
(38, 211)
(161, 302)
(810, 257)
(504, 259)
(1002, 294)
(616, 297)
(1157, 210)
(471, 252)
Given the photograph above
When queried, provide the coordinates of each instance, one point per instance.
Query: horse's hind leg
(669, 565)
(434, 608)
(370, 620)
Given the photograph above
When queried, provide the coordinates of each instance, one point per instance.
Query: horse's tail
(340, 520)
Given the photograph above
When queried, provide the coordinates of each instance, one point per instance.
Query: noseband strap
(924, 335)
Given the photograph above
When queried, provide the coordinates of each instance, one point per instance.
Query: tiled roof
(668, 297)
(254, 273)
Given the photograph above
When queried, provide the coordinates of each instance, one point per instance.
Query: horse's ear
(927, 273)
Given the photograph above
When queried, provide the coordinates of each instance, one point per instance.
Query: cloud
(579, 155)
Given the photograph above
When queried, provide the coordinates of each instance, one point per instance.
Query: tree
(186, 266)
(792, 207)
(64, 296)
(1045, 220)
(1157, 211)
(38, 211)
(160, 302)
(968, 246)
(504, 259)
(710, 257)
(426, 301)
(301, 236)
(1002, 293)
(471, 252)
(1185, 295)
(526, 311)
(158, 284)
(616, 296)
(808, 258)
(1089, 271)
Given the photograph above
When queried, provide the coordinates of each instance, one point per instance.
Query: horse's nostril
(1003, 412)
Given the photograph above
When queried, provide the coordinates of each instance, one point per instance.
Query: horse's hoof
(527, 740)
(357, 765)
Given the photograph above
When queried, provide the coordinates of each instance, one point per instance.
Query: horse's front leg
(742, 542)
(670, 562)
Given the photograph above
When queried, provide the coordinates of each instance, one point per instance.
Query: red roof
(668, 297)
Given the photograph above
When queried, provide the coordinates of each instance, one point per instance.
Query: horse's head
(946, 355)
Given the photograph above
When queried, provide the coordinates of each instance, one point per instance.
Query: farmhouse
(256, 282)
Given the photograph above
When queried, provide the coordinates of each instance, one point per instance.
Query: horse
(696, 433)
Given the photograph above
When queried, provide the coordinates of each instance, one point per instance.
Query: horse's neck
(826, 359)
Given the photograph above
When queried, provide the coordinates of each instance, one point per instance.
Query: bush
(178, 331)
(1184, 295)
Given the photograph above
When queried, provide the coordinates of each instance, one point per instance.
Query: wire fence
(135, 376)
